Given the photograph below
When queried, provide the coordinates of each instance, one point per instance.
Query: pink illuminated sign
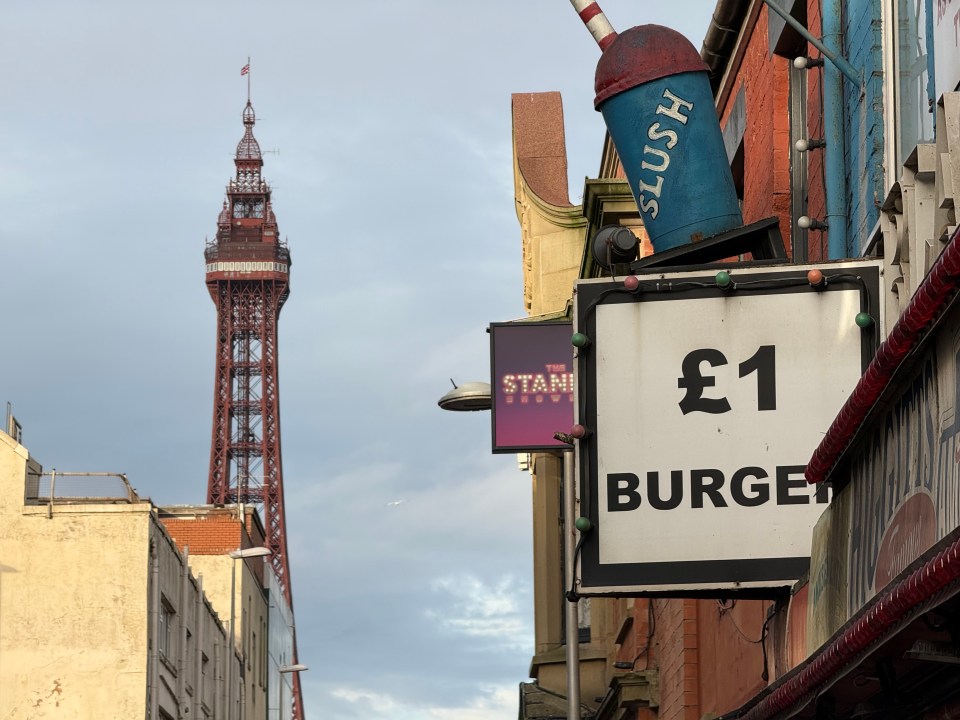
(532, 385)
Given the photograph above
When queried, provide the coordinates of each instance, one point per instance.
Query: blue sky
(393, 182)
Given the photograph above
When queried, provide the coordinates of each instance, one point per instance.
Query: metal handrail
(129, 494)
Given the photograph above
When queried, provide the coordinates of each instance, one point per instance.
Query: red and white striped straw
(596, 22)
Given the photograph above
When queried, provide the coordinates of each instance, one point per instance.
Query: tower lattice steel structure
(248, 273)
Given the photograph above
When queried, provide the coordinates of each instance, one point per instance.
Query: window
(263, 653)
(913, 89)
(190, 662)
(166, 632)
(246, 633)
(249, 208)
(204, 677)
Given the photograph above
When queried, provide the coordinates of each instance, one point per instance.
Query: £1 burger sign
(703, 397)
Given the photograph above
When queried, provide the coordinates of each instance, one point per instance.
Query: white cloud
(493, 703)
(490, 613)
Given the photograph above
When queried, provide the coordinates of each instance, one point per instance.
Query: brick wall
(731, 655)
(766, 140)
(677, 642)
(204, 535)
(816, 198)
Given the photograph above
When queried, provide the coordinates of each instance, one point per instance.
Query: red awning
(927, 304)
(882, 632)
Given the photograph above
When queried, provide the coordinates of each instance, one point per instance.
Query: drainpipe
(182, 654)
(836, 184)
(838, 245)
(153, 674)
(198, 651)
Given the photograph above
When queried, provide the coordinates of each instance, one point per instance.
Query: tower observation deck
(248, 275)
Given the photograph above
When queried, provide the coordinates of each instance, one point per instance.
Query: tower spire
(248, 278)
(248, 270)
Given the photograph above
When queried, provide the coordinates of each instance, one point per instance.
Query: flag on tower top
(245, 69)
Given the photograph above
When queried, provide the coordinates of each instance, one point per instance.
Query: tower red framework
(248, 273)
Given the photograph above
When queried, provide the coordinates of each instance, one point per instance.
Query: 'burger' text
(700, 488)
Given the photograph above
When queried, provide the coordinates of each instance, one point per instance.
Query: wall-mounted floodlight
(614, 245)
(469, 396)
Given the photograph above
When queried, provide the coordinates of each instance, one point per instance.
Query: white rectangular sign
(703, 407)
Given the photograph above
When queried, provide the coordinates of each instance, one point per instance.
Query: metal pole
(834, 57)
(231, 645)
(53, 489)
(573, 621)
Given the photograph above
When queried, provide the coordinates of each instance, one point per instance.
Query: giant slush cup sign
(532, 385)
(703, 395)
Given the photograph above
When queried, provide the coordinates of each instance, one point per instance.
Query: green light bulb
(863, 320)
(579, 340)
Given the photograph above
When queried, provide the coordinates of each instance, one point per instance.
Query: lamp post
(295, 669)
(234, 555)
(570, 572)
(477, 396)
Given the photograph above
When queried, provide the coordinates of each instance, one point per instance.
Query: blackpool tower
(248, 273)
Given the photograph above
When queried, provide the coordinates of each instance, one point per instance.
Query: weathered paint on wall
(863, 120)
(77, 610)
(551, 228)
(730, 656)
(827, 589)
(73, 605)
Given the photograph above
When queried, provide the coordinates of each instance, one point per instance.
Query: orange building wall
(731, 656)
(765, 80)
(678, 643)
(816, 198)
(204, 535)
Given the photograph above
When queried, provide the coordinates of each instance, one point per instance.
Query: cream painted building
(555, 256)
(207, 535)
(552, 232)
(100, 615)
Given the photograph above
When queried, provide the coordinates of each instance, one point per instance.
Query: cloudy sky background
(393, 182)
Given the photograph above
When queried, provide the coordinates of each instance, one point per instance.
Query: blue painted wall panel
(863, 119)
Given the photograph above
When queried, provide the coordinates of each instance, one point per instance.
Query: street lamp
(234, 555)
(469, 396)
(293, 668)
(477, 396)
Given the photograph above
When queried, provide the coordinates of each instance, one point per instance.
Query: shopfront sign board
(703, 406)
(531, 366)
